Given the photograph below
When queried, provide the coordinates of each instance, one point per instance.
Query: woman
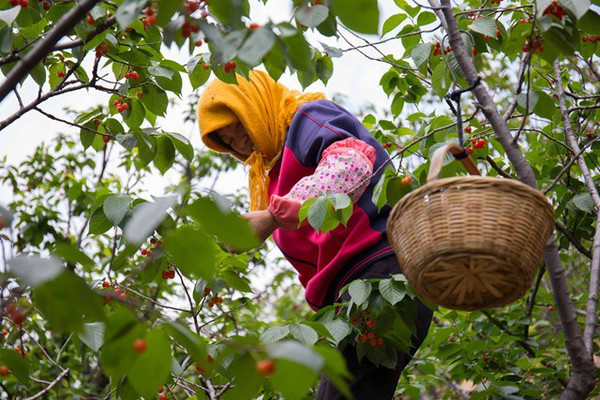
(300, 146)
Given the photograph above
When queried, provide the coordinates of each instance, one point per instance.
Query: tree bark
(592, 300)
(63, 27)
(582, 380)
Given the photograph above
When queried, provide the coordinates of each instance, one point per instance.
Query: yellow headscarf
(265, 108)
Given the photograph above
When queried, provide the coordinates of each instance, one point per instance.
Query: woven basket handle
(438, 161)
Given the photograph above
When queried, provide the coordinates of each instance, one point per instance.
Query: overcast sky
(355, 77)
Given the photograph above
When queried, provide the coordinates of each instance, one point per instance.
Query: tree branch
(64, 26)
(50, 386)
(592, 301)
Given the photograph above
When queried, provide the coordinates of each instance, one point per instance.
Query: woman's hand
(263, 223)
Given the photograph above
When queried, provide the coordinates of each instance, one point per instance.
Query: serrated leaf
(522, 100)
(420, 53)
(34, 270)
(146, 217)
(339, 330)
(485, 26)
(256, 46)
(192, 251)
(577, 7)
(274, 334)
(304, 333)
(311, 16)
(128, 11)
(359, 290)
(584, 202)
(392, 22)
(359, 15)
(93, 335)
(392, 290)
(115, 207)
(317, 212)
(296, 352)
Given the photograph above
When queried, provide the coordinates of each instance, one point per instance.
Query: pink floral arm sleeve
(343, 165)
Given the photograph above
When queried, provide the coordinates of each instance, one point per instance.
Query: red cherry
(125, 106)
(370, 335)
(4, 332)
(470, 150)
(379, 342)
(362, 338)
(206, 66)
(481, 143)
(373, 342)
(144, 252)
(160, 389)
(18, 318)
(105, 284)
(210, 304)
(550, 308)
(526, 48)
(198, 43)
(485, 359)
(97, 122)
(118, 290)
(60, 74)
(14, 3)
(191, 6)
(107, 299)
(139, 95)
(116, 102)
(90, 19)
(254, 25)
(218, 299)
(589, 135)
(199, 368)
(24, 3)
(165, 274)
(370, 323)
(105, 138)
(149, 253)
(172, 274)
(475, 52)
(149, 11)
(203, 14)
(4, 370)
(163, 397)
(497, 31)
(468, 129)
(140, 345)
(45, 5)
(127, 75)
(135, 75)
(265, 367)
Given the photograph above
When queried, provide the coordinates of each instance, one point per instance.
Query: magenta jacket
(326, 262)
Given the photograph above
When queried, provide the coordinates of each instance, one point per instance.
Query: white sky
(354, 76)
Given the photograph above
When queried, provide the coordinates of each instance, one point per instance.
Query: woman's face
(236, 137)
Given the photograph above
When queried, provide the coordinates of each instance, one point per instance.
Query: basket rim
(445, 182)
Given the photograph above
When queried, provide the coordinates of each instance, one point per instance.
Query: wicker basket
(470, 242)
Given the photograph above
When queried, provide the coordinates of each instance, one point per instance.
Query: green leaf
(229, 12)
(392, 22)
(359, 291)
(311, 16)
(151, 368)
(292, 380)
(115, 207)
(426, 18)
(438, 80)
(165, 153)
(544, 106)
(9, 16)
(522, 100)
(34, 270)
(73, 255)
(392, 290)
(359, 15)
(236, 282)
(128, 141)
(293, 351)
(317, 212)
(198, 74)
(93, 335)
(584, 202)
(134, 115)
(332, 51)
(166, 9)
(193, 343)
(485, 26)
(304, 333)
(227, 227)
(146, 217)
(420, 53)
(38, 73)
(65, 309)
(17, 364)
(590, 22)
(247, 379)
(154, 99)
(99, 222)
(274, 334)
(117, 355)
(256, 46)
(192, 251)
(128, 12)
(146, 145)
(183, 145)
(338, 328)
(298, 52)
(577, 7)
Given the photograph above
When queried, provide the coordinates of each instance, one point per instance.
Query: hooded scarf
(265, 108)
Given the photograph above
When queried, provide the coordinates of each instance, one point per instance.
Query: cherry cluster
(229, 66)
(15, 314)
(591, 39)
(101, 50)
(188, 28)
(22, 3)
(406, 180)
(168, 274)
(121, 105)
(437, 49)
(555, 9)
(117, 291)
(133, 75)
(369, 335)
(478, 143)
(535, 45)
(497, 2)
(150, 17)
